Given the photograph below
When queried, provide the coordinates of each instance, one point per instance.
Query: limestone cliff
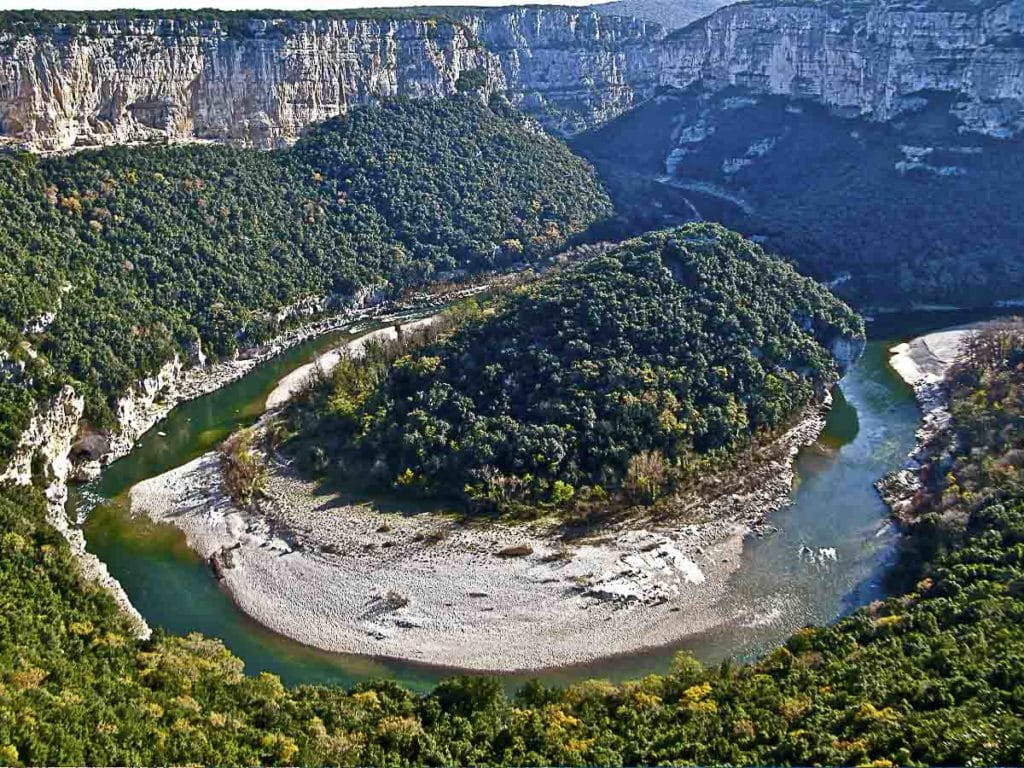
(874, 60)
(121, 81)
(573, 69)
(43, 456)
(260, 82)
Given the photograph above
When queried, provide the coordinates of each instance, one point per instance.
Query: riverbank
(298, 379)
(55, 430)
(354, 578)
(922, 363)
(154, 398)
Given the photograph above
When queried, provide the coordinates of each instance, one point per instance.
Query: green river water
(778, 589)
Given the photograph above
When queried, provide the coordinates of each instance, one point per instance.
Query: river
(786, 581)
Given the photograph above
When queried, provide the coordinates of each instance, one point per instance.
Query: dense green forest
(139, 252)
(632, 370)
(931, 676)
(905, 212)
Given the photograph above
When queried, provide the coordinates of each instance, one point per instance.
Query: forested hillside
(906, 212)
(629, 371)
(115, 259)
(932, 676)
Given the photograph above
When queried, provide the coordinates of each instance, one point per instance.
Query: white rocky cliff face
(572, 69)
(157, 80)
(262, 82)
(146, 80)
(875, 64)
(44, 450)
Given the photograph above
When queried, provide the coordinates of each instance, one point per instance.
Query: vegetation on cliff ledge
(932, 676)
(631, 371)
(236, 23)
(114, 260)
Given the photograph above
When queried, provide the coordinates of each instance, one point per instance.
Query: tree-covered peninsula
(114, 260)
(628, 373)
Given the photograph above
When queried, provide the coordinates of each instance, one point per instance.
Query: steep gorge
(260, 82)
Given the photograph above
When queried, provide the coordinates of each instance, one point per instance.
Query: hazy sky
(294, 5)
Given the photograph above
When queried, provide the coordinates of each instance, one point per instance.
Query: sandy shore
(425, 587)
(298, 379)
(926, 359)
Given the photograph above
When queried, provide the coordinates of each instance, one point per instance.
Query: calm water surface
(784, 583)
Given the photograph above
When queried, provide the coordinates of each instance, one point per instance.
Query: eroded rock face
(847, 350)
(44, 455)
(572, 69)
(876, 62)
(158, 80)
(46, 443)
(261, 82)
(122, 81)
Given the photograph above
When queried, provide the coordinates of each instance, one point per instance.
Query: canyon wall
(260, 82)
(871, 60)
(123, 81)
(572, 69)
(44, 456)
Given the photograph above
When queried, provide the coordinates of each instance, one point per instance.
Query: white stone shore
(298, 379)
(922, 363)
(428, 587)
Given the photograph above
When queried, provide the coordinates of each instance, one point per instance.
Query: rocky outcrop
(43, 455)
(144, 406)
(874, 61)
(141, 80)
(260, 82)
(572, 69)
(46, 442)
(847, 350)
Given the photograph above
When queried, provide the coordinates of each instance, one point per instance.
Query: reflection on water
(826, 558)
(829, 552)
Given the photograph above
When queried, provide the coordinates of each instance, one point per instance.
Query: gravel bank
(925, 360)
(426, 587)
(298, 379)
(922, 363)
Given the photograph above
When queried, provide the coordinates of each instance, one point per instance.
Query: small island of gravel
(561, 472)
